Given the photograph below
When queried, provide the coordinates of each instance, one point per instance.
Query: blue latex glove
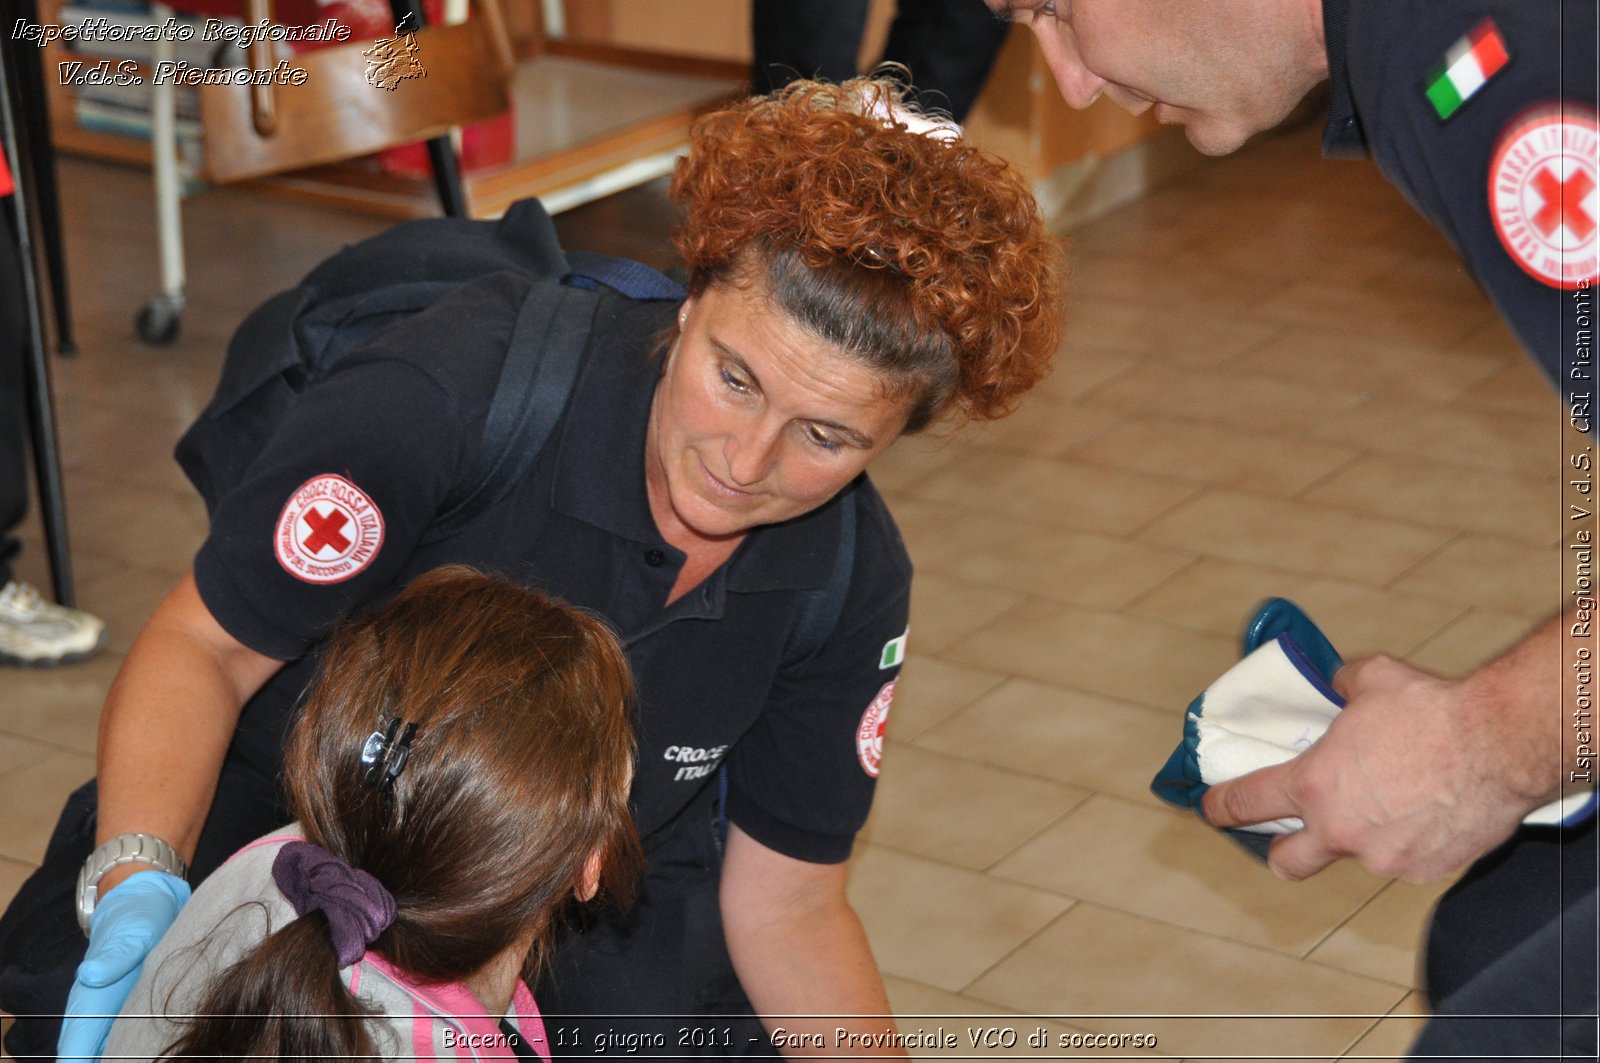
(125, 925)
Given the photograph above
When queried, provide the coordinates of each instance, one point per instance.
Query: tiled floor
(1277, 381)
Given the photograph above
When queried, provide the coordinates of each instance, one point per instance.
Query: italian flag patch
(1467, 67)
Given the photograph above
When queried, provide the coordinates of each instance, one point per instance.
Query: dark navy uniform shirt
(1510, 175)
(336, 513)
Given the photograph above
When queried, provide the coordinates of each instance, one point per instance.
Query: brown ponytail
(519, 770)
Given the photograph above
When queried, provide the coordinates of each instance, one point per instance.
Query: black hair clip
(385, 758)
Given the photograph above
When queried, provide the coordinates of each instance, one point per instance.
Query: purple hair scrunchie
(357, 906)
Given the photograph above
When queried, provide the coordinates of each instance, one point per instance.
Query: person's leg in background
(949, 46)
(798, 39)
(32, 631)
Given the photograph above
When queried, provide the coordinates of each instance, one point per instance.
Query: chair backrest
(336, 113)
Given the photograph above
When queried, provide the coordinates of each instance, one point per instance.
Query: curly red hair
(938, 247)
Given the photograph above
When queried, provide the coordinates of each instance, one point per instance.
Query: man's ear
(589, 881)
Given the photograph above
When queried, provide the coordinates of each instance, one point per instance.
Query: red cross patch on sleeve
(1544, 195)
(328, 531)
(869, 732)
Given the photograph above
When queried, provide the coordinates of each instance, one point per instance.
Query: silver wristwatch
(123, 849)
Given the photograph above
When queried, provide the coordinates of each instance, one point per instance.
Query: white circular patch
(328, 531)
(869, 735)
(1544, 196)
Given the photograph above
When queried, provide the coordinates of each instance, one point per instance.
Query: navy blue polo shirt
(1509, 174)
(336, 513)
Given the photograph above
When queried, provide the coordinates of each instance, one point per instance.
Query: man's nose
(1079, 85)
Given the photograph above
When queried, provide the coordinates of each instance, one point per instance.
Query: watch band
(123, 849)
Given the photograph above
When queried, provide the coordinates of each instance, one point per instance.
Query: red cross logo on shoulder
(870, 731)
(325, 532)
(1544, 195)
(329, 531)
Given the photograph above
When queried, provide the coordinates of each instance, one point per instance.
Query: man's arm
(798, 947)
(167, 723)
(1418, 775)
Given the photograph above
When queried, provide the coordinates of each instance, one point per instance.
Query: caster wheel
(159, 321)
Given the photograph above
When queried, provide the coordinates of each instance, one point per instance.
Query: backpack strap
(820, 612)
(541, 366)
(633, 279)
(819, 615)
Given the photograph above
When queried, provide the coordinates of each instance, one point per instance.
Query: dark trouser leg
(804, 39)
(949, 47)
(1513, 940)
(40, 942)
(661, 986)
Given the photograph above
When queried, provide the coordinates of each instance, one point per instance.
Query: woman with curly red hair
(856, 274)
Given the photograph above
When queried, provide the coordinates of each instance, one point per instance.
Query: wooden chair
(337, 114)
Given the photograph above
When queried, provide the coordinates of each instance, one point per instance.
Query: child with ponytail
(459, 774)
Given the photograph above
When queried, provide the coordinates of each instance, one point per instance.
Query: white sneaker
(33, 632)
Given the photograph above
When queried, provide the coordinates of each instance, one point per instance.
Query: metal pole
(41, 409)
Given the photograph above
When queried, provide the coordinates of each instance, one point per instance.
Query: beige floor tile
(12, 874)
(1384, 939)
(1099, 652)
(938, 1015)
(1027, 557)
(1493, 338)
(125, 600)
(17, 752)
(1080, 368)
(1249, 403)
(1296, 250)
(959, 811)
(1175, 337)
(1046, 427)
(1391, 1037)
(930, 691)
(946, 610)
(1215, 456)
(123, 445)
(1117, 232)
(1097, 962)
(1475, 637)
(146, 526)
(57, 706)
(32, 797)
(913, 457)
(1382, 316)
(901, 898)
(1221, 596)
(1167, 865)
(1185, 280)
(33, 563)
(1319, 541)
(1498, 574)
(1066, 735)
(1412, 489)
(1349, 364)
(1523, 443)
(1060, 492)
(917, 518)
(119, 372)
(1439, 273)
(1517, 385)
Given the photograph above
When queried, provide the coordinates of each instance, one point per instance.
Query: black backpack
(291, 341)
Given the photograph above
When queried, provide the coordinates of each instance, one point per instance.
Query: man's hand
(126, 924)
(1415, 778)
